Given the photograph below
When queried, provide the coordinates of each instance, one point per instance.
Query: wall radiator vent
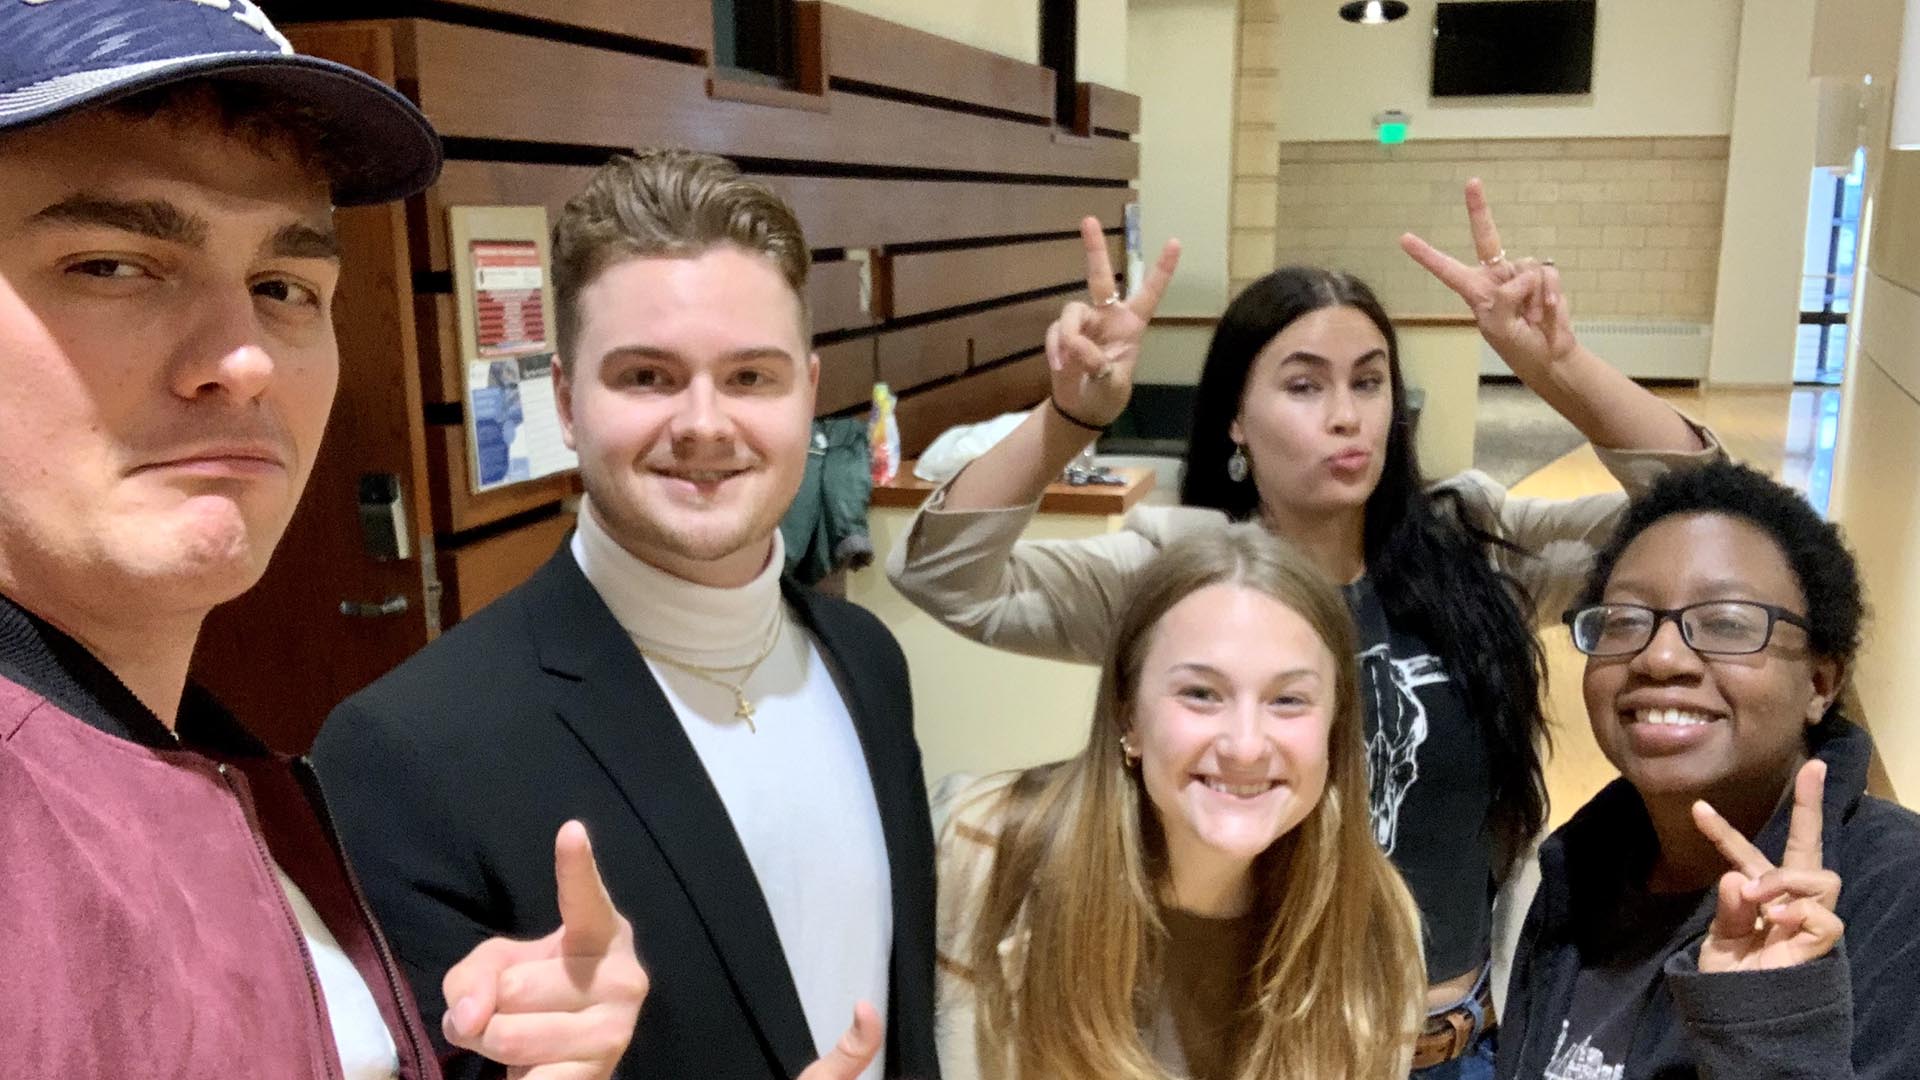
(1643, 348)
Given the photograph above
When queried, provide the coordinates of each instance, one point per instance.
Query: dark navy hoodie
(1853, 1014)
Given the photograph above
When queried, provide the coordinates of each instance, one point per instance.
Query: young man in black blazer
(741, 748)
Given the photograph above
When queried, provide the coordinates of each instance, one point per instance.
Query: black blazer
(449, 777)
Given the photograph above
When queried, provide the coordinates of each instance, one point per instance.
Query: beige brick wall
(1633, 224)
(1256, 164)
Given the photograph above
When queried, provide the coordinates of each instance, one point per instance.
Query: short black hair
(1818, 555)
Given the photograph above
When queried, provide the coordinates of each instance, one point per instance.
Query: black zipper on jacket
(309, 782)
(322, 1023)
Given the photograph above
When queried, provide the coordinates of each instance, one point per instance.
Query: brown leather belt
(1451, 1034)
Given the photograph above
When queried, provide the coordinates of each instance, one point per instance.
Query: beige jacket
(1060, 599)
(967, 816)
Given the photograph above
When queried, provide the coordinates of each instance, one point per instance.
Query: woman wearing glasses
(1735, 905)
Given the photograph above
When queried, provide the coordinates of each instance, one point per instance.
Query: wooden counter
(908, 491)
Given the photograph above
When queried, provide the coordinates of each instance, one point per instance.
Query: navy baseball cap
(58, 56)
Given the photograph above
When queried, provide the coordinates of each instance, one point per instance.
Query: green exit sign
(1391, 133)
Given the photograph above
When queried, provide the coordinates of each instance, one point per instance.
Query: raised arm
(1091, 351)
(1523, 313)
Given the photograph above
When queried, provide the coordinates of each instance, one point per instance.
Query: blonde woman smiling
(1197, 893)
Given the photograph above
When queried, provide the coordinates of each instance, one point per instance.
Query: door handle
(392, 605)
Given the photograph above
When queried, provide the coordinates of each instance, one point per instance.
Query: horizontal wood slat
(872, 50)
(833, 295)
(594, 97)
(475, 575)
(456, 508)
(846, 376)
(835, 211)
(851, 211)
(686, 23)
(933, 280)
(981, 396)
(937, 350)
(1102, 108)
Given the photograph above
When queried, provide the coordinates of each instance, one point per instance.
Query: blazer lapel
(610, 701)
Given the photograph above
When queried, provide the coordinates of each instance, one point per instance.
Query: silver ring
(1108, 302)
(1500, 258)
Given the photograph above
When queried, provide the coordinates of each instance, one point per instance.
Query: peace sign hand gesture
(1519, 305)
(1092, 348)
(1773, 917)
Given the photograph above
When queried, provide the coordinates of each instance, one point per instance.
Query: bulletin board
(503, 290)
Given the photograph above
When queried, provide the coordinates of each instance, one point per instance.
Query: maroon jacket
(143, 933)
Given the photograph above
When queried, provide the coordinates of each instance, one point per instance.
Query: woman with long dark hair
(1301, 424)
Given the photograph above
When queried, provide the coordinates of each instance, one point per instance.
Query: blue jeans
(1477, 1062)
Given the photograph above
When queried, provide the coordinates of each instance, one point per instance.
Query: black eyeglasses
(1718, 627)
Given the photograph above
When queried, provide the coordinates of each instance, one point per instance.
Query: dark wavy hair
(1430, 566)
(1827, 572)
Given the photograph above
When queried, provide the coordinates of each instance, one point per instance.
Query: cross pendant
(743, 710)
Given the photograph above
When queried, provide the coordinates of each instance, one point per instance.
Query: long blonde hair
(1339, 984)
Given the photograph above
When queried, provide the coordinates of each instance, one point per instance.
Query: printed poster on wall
(505, 295)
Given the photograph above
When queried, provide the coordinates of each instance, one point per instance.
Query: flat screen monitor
(1496, 47)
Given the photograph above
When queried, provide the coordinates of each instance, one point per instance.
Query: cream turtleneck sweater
(797, 789)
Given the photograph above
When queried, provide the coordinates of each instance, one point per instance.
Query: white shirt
(359, 1031)
(796, 787)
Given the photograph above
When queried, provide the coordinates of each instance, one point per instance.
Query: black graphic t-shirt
(1620, 980)
(1430, 784)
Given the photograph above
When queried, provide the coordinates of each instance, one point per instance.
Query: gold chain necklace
(742, 708)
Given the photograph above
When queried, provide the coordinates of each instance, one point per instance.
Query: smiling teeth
(1245, 791)
(1673, 718)
(703, 477)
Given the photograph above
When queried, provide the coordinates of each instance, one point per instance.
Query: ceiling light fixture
(1373, 12)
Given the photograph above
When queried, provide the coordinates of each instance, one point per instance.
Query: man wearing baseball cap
(173, 901)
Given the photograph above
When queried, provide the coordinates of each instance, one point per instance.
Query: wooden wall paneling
(834, 295)
(282, 655)
(846, 376)
(925, 353)
(490, 183)
(1016, 328)
(872, 50)
(1008, 387)
(479, 573)
(443, 378)
(685, 23)
(457, 508)
(836, 211)
(596, 97)
(937, 350)
(932, 280)
(1102, 110)
(853, 212)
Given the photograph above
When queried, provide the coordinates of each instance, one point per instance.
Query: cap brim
(379, 145)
